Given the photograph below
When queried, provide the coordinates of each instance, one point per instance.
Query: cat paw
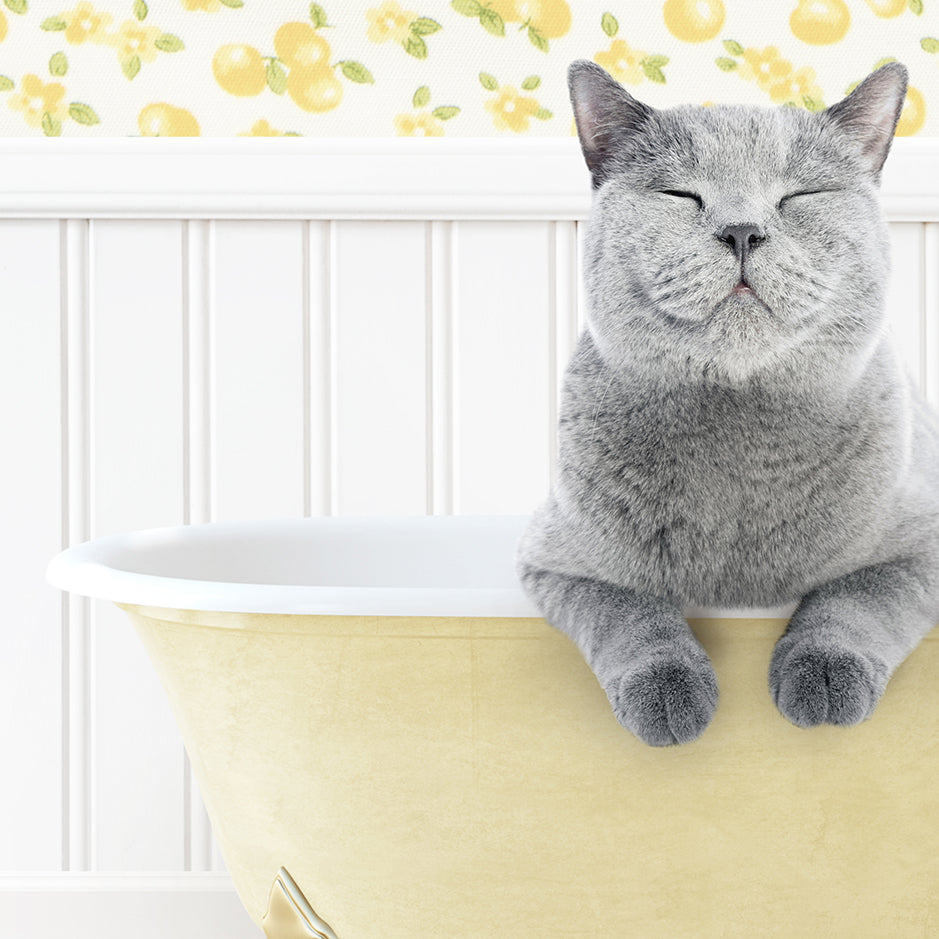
(666, 699)
(820, 684)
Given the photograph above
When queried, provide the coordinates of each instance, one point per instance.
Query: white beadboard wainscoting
(208, 330)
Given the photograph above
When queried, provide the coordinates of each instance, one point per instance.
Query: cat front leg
(657, 676)
(845, 640)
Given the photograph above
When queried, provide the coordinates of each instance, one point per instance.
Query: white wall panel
(258, 346)
(137, 467)
(905, 301)
(503, 380)
(380, 367)
(31, 692)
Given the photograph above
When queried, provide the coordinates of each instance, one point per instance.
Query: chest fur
(721, 496)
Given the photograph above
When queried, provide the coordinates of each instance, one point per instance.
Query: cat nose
(742, 239)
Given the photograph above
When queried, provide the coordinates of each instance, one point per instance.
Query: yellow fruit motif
(210, 6)
(298, 45)
(3, 26)
(163, 120)
(887, 8)
(512, 111)
(36, 99)
(820, 22)
(389, 22)
(913, 115)
(239, 70)
(622, 62)
(551, 18)
(421, 124)
(314, 89)
(694, 20)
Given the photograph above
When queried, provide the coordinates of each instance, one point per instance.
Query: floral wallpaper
(224, 68)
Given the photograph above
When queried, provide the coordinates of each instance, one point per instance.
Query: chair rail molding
(347, 178)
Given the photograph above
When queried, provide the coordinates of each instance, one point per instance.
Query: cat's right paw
(666, 698)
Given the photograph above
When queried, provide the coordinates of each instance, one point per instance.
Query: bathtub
(392, 743)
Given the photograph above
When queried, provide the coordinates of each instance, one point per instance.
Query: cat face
(732, 238)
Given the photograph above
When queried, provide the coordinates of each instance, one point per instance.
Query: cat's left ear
(870, 113)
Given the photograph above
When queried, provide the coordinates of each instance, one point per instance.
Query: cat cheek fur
(720, 449)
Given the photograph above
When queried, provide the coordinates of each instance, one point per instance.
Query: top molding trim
(347, 178)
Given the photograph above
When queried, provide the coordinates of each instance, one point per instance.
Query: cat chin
(744, 338)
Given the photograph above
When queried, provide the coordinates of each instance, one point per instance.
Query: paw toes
(813, 685)
(667, 700)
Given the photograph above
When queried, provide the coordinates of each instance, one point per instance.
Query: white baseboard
(115, 906)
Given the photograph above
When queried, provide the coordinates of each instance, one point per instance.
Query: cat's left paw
(816, 683)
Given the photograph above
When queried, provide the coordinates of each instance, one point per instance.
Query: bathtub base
(460, 778)
(289, 914)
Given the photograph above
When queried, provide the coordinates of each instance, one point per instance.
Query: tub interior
(431, 552)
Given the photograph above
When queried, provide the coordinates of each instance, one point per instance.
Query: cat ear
(604, 111)
(870, 113)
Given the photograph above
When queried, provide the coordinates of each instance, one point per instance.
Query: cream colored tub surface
(461, 777)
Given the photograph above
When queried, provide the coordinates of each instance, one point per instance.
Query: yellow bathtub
(391, 743)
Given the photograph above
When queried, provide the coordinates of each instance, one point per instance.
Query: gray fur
(720, 449)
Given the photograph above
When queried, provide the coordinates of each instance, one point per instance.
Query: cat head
(732, 239)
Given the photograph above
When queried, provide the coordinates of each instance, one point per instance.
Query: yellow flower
(37, 99)
(85, 24)
(389, 22)
(794, 87)
(765, 66)
(208, 5)
(511, 111)
(419, 124)
(622, 62)
(263, 129)
(134, 39)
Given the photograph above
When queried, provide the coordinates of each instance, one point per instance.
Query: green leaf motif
(83, 114)
(169, 43)
(467, 7)
(733, 47)
(357, 72)
(812, 104)
(652, 72)
(492, 22)
(543, 114)
(883, 61)
(425, 26)
(531, 83)
(726, 65)
(537, 40)
(51, 127)
(54, 24)
(233, 4)
(929, 44)
(131, 66)
(445, 113)
(318, 16)
(6, 84)
(609, 24)
(20, 7)
(657, 61)
(140, 10)
(415, 46)
(276, 77)
(58, 65)
(917, 7)
(488, 81)
(421, 97)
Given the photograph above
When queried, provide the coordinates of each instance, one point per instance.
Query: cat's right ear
(605, 113)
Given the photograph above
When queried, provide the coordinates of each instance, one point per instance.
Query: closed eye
(804, 192)
(681, 194)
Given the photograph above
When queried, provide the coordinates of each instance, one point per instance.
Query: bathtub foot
(289, 914)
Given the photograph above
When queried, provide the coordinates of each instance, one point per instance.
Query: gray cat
(735, 428)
